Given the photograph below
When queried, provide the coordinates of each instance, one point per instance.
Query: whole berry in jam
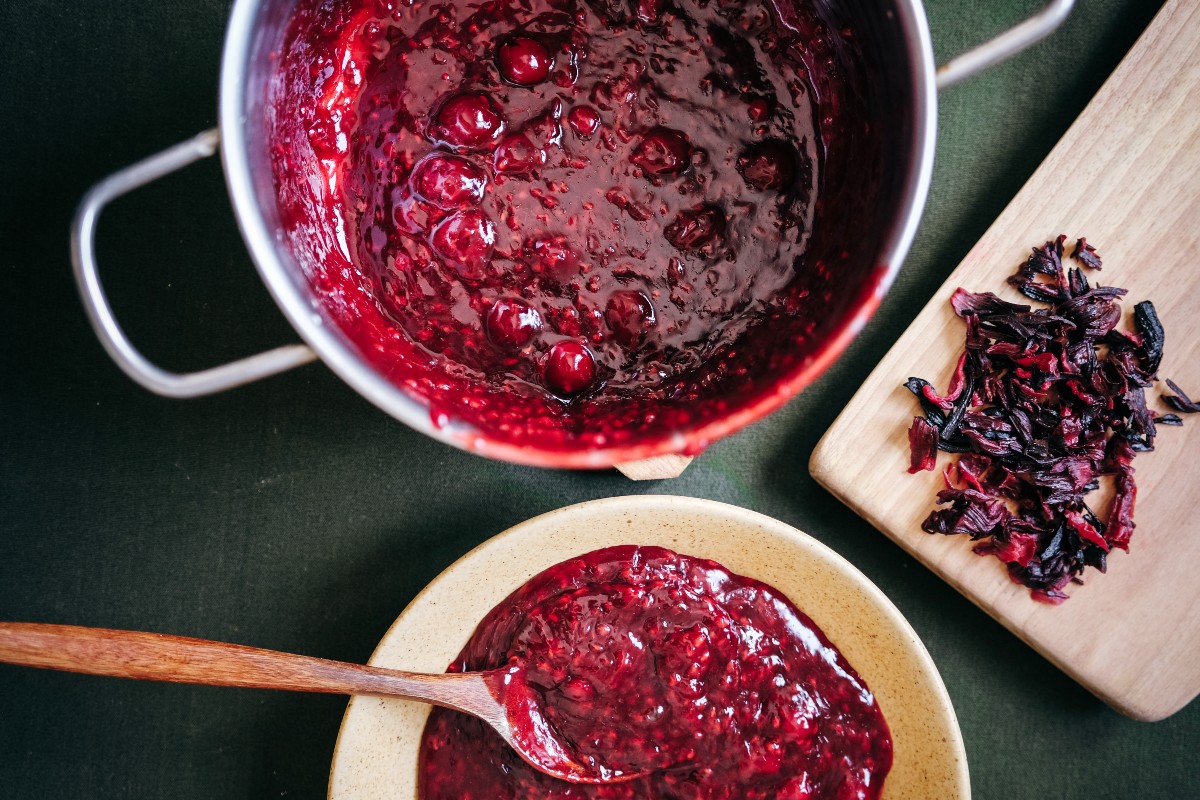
(584, 120)
(629, 315)
(570, 368)
(516, 155)
(649, 12)
(758, 109)
(662, 152)
(770, 166)
(512, 323)
(448, 181)
(465, 240)
(696, 229)
(524, 60)
(467, 121)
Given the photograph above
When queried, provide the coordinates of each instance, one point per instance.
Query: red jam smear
(563, 222)
(648, 661)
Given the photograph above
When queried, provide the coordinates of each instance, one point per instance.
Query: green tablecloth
(293, 515)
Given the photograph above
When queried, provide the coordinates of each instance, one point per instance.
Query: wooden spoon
(501, 697)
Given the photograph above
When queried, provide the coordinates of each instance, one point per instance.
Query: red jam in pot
(708, 684)
(564, 222)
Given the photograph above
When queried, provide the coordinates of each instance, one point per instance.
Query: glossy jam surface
(652, 662)
(563, 222)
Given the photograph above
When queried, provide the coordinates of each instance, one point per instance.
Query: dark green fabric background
(293, 515)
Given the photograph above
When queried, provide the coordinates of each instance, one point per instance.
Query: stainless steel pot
(897, 29)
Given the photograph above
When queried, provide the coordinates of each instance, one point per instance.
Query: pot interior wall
(870, 179)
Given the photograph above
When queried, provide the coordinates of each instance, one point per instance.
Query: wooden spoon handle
(177, 659)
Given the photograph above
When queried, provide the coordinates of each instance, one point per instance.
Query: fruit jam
(562, 223)
(707, 684)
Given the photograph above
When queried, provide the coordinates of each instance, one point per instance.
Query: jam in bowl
(699, 682)
(801, 677)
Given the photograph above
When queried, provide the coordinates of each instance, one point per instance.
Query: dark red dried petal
(1119, 528)
(1045, 261)
(1041, 292)
(1140, 419)
(1017, 550)
(1086, 254)
(1077, 282)
(932, 409)
(922, 441)
(964, 302)
(1150, 331)
(1085, 529)
(1180, 401)
(972, 470)
(944, 402)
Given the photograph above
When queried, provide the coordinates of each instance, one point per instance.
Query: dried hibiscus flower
(923, 442)
(1086, 254)
(1180, 401)
(1042, 404)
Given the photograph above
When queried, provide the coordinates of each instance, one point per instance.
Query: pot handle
(1004, 46)
(100, 313)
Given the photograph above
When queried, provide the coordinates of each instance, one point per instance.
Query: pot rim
(302, 311)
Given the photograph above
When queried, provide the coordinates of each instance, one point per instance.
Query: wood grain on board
(1126, 176)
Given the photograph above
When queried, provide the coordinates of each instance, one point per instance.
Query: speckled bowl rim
(376, 750)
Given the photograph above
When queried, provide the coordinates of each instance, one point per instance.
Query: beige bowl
(376, 753)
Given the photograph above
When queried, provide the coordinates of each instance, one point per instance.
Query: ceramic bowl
(376, 753)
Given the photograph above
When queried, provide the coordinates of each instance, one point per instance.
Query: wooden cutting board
(1126, 176)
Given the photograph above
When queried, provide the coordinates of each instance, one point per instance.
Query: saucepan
(900, 100)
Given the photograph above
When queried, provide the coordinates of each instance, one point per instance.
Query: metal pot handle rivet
(1004, 46)
(100, 313)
